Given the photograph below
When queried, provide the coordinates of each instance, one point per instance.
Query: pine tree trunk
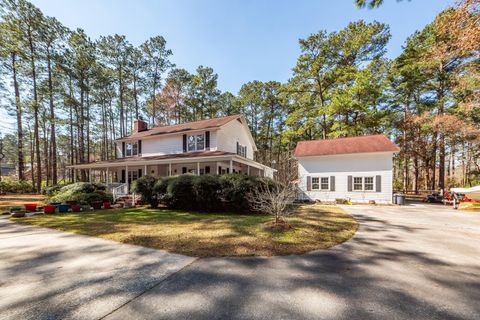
(81, 129)
(53, 141)
(46, 161)
(18, 109)
(71, 142)
(38, 186)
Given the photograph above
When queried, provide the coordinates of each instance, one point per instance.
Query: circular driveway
(412, 262)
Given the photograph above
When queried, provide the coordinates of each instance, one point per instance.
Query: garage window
(368, 183)
(363, 184)
(321, 183)
(324, 183)
(357, 184)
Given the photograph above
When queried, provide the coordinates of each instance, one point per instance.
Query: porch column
(74, 175)
(198, 168)
(248, 170)
(145, 171)
(90, 175)
(107, 180)
(126, 176)
(169, 169)
(231, 166)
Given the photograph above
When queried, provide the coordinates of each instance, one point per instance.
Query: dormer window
(196, 142)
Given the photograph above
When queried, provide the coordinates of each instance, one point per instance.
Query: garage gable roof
(360, 144)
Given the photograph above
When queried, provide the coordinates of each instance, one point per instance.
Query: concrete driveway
(412, 262)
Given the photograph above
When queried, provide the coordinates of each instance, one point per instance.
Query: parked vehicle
(465, 195)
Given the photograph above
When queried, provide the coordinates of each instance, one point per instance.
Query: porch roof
(201, 156)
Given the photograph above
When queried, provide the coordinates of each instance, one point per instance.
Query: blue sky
(242, 40)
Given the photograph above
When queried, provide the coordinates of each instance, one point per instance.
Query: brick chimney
(139, 125)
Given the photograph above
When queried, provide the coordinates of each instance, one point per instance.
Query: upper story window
(131, 149)
(241, 150)
(196, 142)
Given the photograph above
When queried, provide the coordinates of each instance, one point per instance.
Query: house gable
(226, 134)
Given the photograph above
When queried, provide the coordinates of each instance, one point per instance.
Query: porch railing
(118, 191)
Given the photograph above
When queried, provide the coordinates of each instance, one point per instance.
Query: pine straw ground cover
(18, 200)
(209, 234)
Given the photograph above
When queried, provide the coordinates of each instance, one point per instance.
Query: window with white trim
(321, 183)
(242, 150)
(324, 183)
(196, 142)
(363, 184)
(131, 149)
(368, 183)
(357, 184)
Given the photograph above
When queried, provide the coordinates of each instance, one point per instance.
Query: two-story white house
(211, 146)
(358, 168)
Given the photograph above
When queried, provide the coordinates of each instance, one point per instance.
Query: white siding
(168, 144)
(223, 139)
(230, 134)
(342, 166)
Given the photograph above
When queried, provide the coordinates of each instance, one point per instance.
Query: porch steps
(128, 199)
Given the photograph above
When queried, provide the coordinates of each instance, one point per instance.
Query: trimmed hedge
(181, 193)
(82, 193)
(206, 193)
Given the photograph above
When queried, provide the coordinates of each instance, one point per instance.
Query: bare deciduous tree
(274, 199)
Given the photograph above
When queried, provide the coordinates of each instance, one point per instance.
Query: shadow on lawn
(374, 276)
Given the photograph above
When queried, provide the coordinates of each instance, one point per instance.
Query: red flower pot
(30, 207)
(76, 207)
(107, 205)
(49, 209)
(97, 205)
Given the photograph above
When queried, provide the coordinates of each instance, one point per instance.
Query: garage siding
(342, 167)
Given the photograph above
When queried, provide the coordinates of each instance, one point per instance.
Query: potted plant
(30, 207)
(63, 208)
(49, 209)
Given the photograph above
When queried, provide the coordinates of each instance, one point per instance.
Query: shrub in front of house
(161, 188)
(82, 193)
(181, 193)
(208, 193)
(235, 191)
(145, 186)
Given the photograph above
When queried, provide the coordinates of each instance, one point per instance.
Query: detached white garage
(359, 168)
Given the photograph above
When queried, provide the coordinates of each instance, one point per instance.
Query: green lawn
(207, 234)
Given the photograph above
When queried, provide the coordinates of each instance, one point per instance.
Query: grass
(208, 235)
(18, 200)
(470, 206)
